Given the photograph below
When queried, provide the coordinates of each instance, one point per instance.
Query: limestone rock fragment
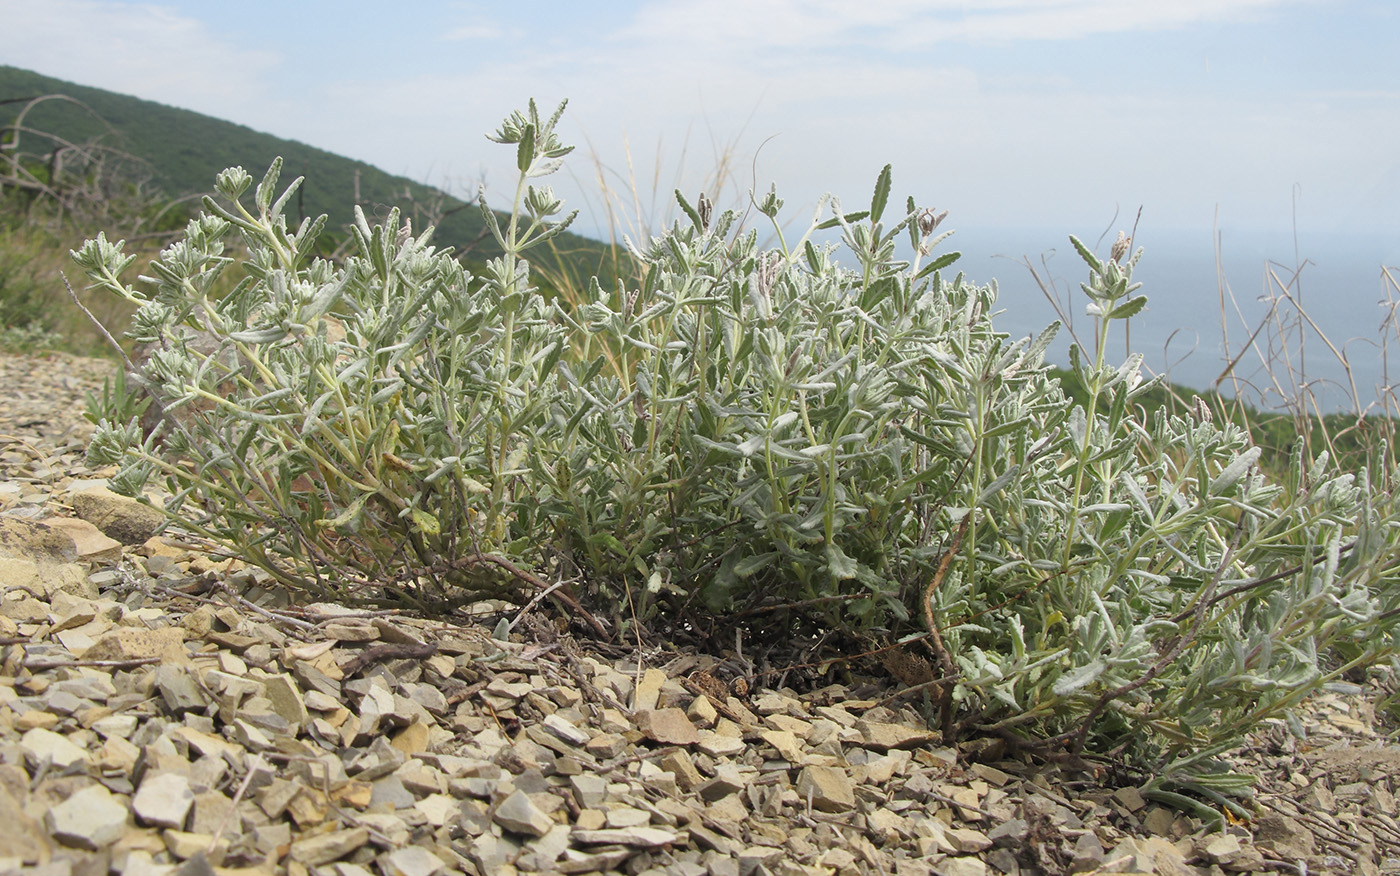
(90, 819)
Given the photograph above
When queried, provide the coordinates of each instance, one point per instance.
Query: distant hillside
(185, 150)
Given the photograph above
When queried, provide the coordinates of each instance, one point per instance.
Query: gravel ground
(161, 711)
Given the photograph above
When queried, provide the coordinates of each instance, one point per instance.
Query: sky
(1270, 127)
(1058, 114)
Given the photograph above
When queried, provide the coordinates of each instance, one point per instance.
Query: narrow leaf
(882, 194)
(938, 264)
(1128, 308)
(525, 152)
(1079, 677)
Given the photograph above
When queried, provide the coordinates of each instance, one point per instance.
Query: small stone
(308, 809)
(683, 768)
(785, 743)
(166, 644)
(961, 867)
(886, 824)
(648, 690)
(1286, 837)
(389, 792)
(881, 769)
(1088, 853)
(519, 814)
(560, 727)
(421, 778)
(829, 788)
(606, 745)
(968, 841)
(1158, 821)
(508, 691)
(163, 800)
(438, 809)
(1221, 848)
(36, 720)
(23, 839)
(636, 837)
(1009, 834)
(410, 861)
(207, 744)
(179, 689)
(320, 702)
(324, 848)
(702, 712)
(351, 631)
(728, 810)
(597, 862)
(286, 699)
(1164, 857)
(667, 726)
(125, 519)
(89, 541)
(211, 809)
(274, 798)
(1131, 799)
(90, 819)
(725, 782)
(589, 790)
(413, 739)
(40, 745)
(754, 857)
(627, 816)
(990, 774)
(720, 745)
(186, 846)
(883, 737)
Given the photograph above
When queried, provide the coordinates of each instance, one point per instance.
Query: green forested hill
(184, 150)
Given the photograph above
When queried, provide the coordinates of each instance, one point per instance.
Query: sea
(1275, 319)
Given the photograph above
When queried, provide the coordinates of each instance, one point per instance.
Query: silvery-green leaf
(265, 335)
(1231, 474)
(1079, 677)
(839, 565)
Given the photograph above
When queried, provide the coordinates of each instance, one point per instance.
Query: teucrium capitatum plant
(749, 427)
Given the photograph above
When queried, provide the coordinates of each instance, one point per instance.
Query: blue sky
(1031, 113)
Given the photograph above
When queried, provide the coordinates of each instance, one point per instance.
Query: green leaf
(525, 152)
(346, 517)
(1231, 474)
(1079, 677)
(839, 565)
(281, 203)
(882, 193)
(489, 216)
(843, 220)
(1128, 308)
(938, 264)
(752, 564)
(263, 196)
(689, 211)
(1002, 482)
(1087, 255)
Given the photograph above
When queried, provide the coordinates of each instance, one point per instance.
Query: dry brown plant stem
(940, 650)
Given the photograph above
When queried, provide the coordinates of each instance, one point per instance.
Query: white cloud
(733, 25)
(143, 49)
(680, 84)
